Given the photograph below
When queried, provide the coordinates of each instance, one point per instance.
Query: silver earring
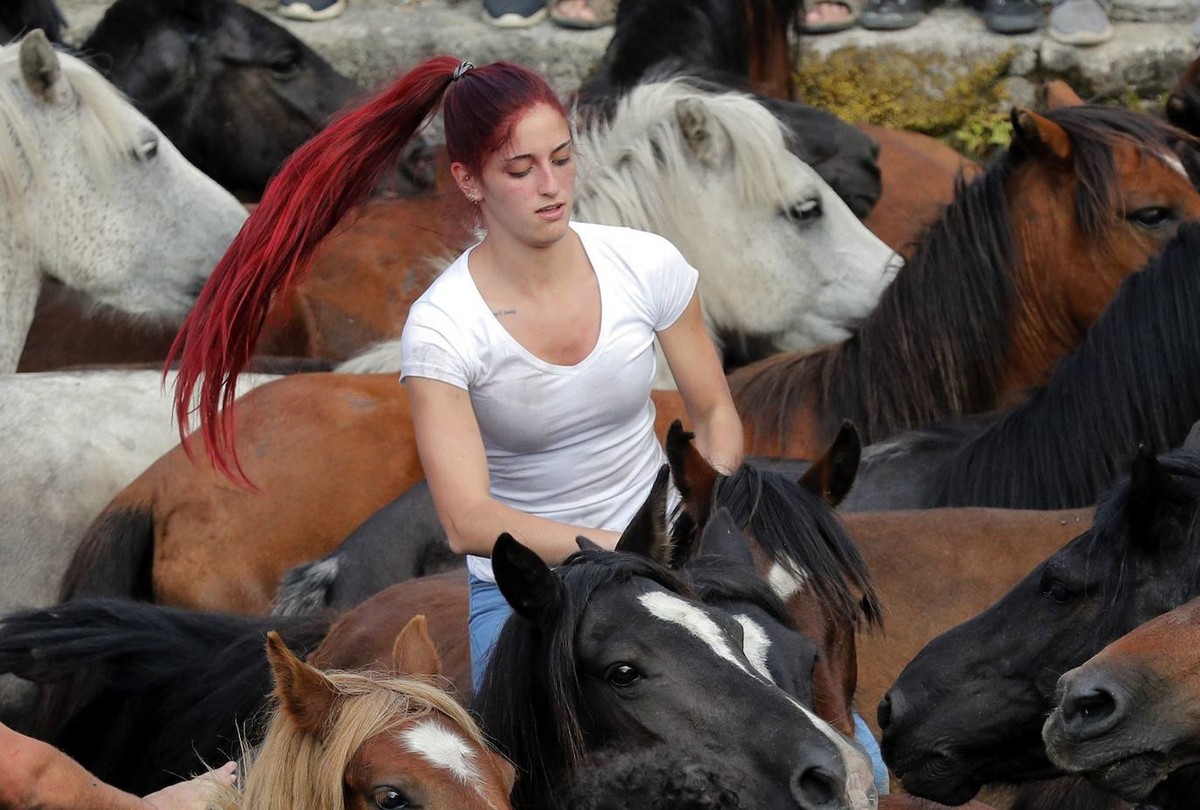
(473, 198)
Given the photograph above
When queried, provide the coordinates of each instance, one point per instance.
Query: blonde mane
(108, 131)
(635, 165)
(292, 769)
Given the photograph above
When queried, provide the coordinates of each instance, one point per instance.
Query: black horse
(718, 44)
(234, 91)
(18, 17)
(147, 692)
(969, 708)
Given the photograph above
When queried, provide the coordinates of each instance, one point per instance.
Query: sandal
(604, 11)
(892, 15)
(1080, 22)
(853, 7)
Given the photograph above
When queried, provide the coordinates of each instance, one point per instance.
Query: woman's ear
(467, 183)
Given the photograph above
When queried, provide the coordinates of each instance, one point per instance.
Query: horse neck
(20, 282)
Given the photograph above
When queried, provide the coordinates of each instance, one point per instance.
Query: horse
(1003, 285)
(1063, 446)
(19, 17)
(1123, 719)
(235, 91)
(1183, 103)
(970, 707)
(92, 186)
(107, 641)
(346, 740)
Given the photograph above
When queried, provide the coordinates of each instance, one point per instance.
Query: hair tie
(460, 71)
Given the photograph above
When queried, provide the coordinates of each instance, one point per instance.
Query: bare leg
(194, 794)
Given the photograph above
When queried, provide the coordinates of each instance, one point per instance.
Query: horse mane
(108, 132)
(20, 16)
(635, 163)
(1134, 379)
(140, 693)
(799, 531)
(933, 346)
(291, 768)
(528, 702)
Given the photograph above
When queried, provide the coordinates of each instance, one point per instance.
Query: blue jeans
(488, 613)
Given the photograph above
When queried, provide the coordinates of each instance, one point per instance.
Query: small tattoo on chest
(500, 312)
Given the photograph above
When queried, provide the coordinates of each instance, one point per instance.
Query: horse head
(603, 654)
(98, 197)
(237, 92)
(969, 709)
(364, 740)
(712, 173)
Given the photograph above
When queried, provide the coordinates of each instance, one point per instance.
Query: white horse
(96, 197)
(782, 259)
(71, 441)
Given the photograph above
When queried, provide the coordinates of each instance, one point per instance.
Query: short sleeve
(674, 285)
(432, 346)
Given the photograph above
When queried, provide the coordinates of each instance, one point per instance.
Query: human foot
(194, 794)
(584, 14)
(827, 16)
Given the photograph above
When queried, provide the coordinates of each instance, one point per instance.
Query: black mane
(1134, 380)
(933, 346)
(799, 531)
(528, 702)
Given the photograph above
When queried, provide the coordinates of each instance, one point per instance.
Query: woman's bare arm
(455, 464)
(701, 382)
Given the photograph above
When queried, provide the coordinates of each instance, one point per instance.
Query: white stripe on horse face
(671, 608)
(784, 582)
(755, 644)
(443, 749)
(1172, 160)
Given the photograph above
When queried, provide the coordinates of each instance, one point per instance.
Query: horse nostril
(890, 713)
(1088, 709)
(817, 788)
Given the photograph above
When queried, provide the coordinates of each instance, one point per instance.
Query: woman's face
(527, 187)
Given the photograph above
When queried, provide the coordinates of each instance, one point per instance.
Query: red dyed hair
(316, 187)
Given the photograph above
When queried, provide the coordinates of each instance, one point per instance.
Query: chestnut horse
(1126, 718)
(1004, 284)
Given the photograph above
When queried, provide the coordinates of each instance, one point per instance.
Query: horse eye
(805, 211)
(1153, 217)
(1057, 591)
(391, 799)
(285, 64)
(148, 150)
(622, 675)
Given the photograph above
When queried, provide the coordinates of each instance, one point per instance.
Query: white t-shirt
(576, 443)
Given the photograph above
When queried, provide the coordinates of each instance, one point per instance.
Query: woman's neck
(528, 269)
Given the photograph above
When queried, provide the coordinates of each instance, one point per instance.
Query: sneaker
(1080, 22)
(1012, 16)
(892, 15)
(311, 10)
(514, 13)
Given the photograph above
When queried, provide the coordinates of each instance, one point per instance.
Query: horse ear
(1040, 135)
(304, 693)
(704, 136)
(525, 581)
(723, 538)
(832, 475)
(647, 533)
(695, 478)
(587, 544)
(1149, 487)
(1192, 442)
(39, 64)
(414, 652)
(1059, 94)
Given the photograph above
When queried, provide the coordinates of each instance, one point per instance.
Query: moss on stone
(929, 92)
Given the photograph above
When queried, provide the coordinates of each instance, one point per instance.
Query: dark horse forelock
(799, 531)
(933, 347)
(530, 702)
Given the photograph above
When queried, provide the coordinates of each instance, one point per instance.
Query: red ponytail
(315, 188)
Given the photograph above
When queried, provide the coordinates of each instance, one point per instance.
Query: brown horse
(352, 741)
(1005, 283)
(1126, 719)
